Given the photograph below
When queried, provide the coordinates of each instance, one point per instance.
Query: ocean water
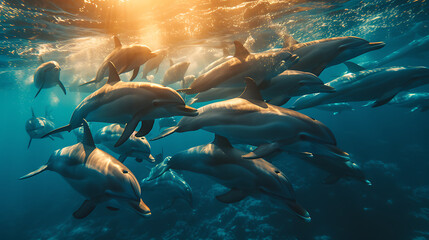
(390, 143)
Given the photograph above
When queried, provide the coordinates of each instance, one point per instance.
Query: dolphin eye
(124, 171)
(277, 171)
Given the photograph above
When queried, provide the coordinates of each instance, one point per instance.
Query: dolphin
(244, 177)
(96, 175)
(36, 127)
(171, 183)
(260, 66)
(137, 147)
(416, 48)
(125, 58)
(336, 167)
(47, 75)
(418, 101)
(128, 103)
(175, 73)
(336, 108)
(154, 62)
(276, 91)
(379, 85)
(315, 56)
(249, 120)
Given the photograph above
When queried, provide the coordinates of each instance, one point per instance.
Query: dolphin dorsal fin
(221, 142)
(171, 62)
(87, 136)
(240, 51)
(251, 92)
(113, 74)
(289, 41)
(118, 43)
(353, 67)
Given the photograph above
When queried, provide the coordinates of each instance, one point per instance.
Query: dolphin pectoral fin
(35, 172)
(58, 130)
(298, 210)
(331, 179)
(146, 127)
(263, 150)
(122, 158)
(135, 72)
(232, 196)
(85, 209)
(166, 132)
(62, 87)
(89, 82)
(41, 87)
(279, 100)
(319, 69)
(59, 135)
(383, 100)
(29, 143)
(129, 129)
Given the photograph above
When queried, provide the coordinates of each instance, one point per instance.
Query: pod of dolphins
(249, 90)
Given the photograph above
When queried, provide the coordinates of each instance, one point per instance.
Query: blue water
(391, 144)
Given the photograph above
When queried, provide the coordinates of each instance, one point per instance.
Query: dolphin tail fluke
(166, 132)
(298, 210)
(93, 81)
(35, 172)
(29, 143)
(67, 127)
(62, 87)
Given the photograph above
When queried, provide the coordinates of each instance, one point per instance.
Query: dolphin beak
(141, 208)
(188, 111)
(326, 88)
(376, 45)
